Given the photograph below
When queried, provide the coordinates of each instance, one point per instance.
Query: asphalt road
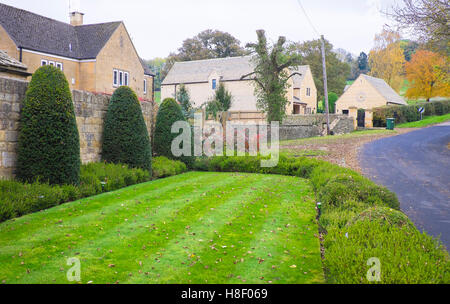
(416, 166)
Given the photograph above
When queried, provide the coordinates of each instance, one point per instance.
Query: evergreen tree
(125, 134)
(49, 143)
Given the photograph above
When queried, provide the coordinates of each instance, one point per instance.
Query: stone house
(95, 58)
(367, 93)
(202, 77)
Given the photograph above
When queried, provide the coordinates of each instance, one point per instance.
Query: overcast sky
(158, 27)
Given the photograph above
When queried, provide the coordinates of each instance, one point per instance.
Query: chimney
(76, 18)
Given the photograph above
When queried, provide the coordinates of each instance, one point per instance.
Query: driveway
(416, 166)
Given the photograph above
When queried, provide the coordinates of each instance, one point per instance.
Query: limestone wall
(90, 109)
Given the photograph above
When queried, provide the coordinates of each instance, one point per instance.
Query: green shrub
(164, 167)
(17, 199)
(169, 112)
(49, 145)
(125, 135)
(383, 215)
(342, 188)
(404, 114)
(406, 255)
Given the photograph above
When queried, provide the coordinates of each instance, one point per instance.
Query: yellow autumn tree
(386, 59)
(428, 75)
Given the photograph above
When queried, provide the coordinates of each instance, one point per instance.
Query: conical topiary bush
(125, 135)
(169, 112)
(49, 144)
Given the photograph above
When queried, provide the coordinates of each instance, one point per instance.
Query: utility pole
(325, 85)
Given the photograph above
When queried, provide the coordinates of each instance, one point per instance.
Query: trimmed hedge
(164, 167)
(409, 113)
(169, 112)
(17, 199)
(359, 220)
(125, 135)
(49, 145)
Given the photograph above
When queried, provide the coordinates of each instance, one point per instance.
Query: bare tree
(428, 20)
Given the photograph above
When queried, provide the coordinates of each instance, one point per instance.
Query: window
(52, 63)
(214, 84)
(308, 91)
(121, 78)
(59, 65)
(345, 112)
(126, 78)
(44, 62)
(145, 86)
(115, 78)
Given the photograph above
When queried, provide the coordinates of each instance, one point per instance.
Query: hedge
(403, 114)
(359, 220)
(125, 135)
(17, 199)
(164, 167)
(48, 144)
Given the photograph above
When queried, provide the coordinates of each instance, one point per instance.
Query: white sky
(158, 27)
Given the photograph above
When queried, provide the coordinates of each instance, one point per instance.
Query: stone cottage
(367, 93)
(202, 77)
(95, 57)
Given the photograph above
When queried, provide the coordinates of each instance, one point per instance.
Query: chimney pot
(76, 18)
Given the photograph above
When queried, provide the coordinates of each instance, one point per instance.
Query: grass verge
(427, 121)
(191, 228)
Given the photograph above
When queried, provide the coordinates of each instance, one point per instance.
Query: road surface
(416, 166)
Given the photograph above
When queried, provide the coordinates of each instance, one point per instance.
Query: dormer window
(214, 84)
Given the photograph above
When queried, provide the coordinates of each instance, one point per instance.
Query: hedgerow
(359, 220)
(17, 198)
(49, 144)
(164, 167)
(403, 114)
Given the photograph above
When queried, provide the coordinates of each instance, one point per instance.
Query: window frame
(115, 78)
(42, 62)
(214, 84)
(145, 86)
(59, 65)
(126, 78)
(120, 78)
(52, 63)
(308, 92)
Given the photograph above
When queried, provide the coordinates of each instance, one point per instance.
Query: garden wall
(90, 110)
(303, 126)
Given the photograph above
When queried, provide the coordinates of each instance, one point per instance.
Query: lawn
(191, 228)
(427, 121)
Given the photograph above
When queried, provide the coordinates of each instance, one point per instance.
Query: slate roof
(39, 33)
(385, 90)
(298, 79)
(228, 69)
(231, 68)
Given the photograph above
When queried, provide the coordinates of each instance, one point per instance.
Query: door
(361, 118)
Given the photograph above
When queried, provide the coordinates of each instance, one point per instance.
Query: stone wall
(90, 109)
(303, 126)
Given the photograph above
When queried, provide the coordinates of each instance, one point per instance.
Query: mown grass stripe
(104, 237)
(185, 244)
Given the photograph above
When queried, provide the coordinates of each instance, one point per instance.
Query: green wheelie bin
(390, 123)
